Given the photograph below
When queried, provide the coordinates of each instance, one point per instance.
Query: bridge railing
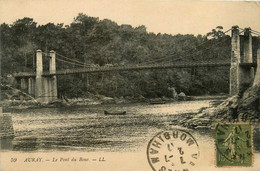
(133, 67)
(130, 67)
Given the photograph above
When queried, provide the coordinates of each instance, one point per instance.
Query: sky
(159, 16)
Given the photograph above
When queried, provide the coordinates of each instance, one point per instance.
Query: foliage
(100, 42)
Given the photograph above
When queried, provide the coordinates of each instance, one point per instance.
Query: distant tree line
(100, 42)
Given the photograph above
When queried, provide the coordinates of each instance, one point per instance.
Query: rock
(173, 93)
(140, 98)
(88, 100)
(182, 96)
(202, 127)
(99, 96)
(156, 100)
(120, 100)
(236, 108)
(165, 99)
(128, 97)
(107, 100)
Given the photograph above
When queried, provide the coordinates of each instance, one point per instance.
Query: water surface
(88, 129)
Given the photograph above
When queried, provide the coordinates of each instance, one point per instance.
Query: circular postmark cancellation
(174, 150)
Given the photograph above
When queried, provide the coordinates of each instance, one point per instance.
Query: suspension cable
(45, 54)
(207, 48)
(256, 31)
(227, 30)
(187, 50)
(73, 60)
(73, 63)
(70, 62)
(253, 32)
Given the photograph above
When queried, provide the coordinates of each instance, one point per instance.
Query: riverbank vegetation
(244, 107)
(103, 42)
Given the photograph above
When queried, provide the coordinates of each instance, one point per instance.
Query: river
(87, 129)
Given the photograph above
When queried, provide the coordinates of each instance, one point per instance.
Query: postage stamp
(173, 150)
(234, 144)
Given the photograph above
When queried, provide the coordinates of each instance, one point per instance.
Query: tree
(216, 33)
(100, 42)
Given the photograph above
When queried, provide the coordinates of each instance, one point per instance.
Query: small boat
(114, 113)
(157, 102)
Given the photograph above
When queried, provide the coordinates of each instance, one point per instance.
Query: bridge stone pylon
(38, 78)
(53, 79)
(43, 88)
(241, 75)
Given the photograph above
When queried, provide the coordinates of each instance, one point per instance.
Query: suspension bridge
(131, 68)
(43, 84)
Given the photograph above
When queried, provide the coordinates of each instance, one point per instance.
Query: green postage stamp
(234, 144)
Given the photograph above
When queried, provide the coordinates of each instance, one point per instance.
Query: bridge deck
(129, 68)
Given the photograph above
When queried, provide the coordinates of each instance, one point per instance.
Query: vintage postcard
(123, 85)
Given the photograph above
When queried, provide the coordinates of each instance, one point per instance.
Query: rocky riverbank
(22, 102)
(244, 107)
(90, 100)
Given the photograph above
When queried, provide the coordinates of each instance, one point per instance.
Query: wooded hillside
(100, 42)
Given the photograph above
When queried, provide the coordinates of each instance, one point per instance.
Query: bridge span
(131, 68)
(43, 85)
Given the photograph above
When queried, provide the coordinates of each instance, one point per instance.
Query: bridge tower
(38, 78)
(44, 87)
(257, 74)
(240, 75)
(53, 79)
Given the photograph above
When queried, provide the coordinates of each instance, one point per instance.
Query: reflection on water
(87, 128)
(6, 143)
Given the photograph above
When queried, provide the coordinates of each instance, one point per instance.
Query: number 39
(13, 159)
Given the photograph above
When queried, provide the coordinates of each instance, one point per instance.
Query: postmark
(173, 150)
(234, 144)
